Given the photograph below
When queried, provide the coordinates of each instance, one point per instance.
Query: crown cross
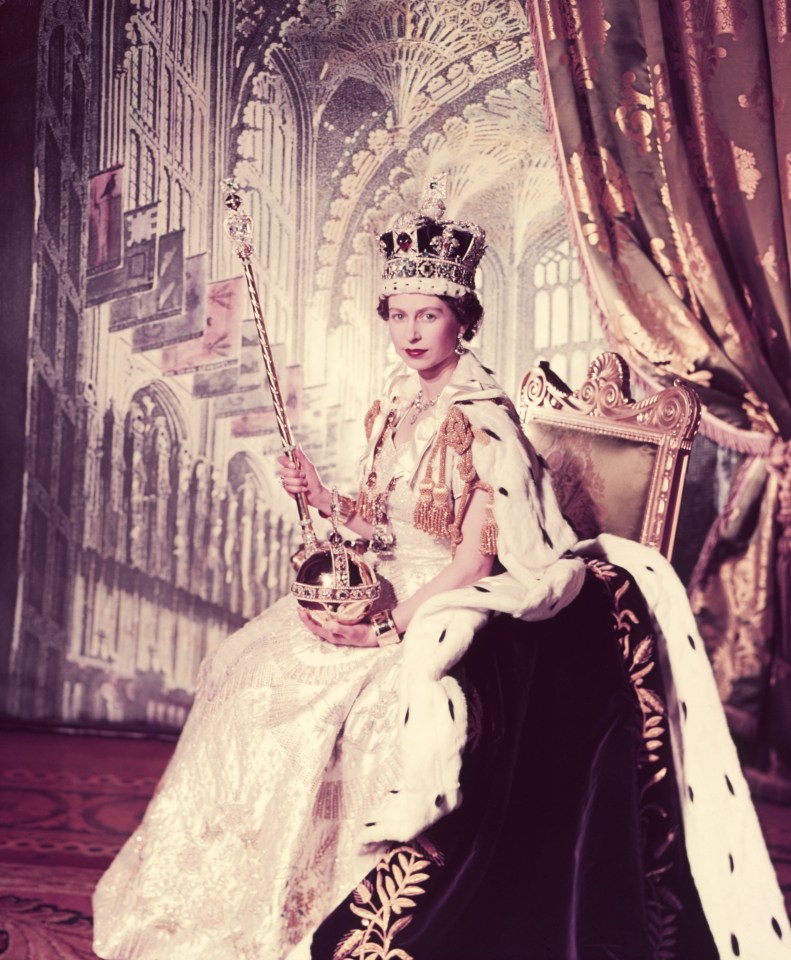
(447, 244)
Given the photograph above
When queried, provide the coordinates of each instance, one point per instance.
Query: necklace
(421, 406)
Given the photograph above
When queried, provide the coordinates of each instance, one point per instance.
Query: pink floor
(67, 803)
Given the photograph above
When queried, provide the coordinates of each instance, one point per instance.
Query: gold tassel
(434, 509)
(421, 518)
(364, 506)
(489, 532)
(440, 514)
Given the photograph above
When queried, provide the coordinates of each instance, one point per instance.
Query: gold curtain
(672, 124)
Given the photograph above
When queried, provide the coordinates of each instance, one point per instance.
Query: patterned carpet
(67, 803)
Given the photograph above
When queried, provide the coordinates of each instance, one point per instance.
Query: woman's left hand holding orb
(340, 634)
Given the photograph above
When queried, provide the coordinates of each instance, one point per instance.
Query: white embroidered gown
(252, 836)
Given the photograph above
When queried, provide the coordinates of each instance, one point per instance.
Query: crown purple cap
(424, 253)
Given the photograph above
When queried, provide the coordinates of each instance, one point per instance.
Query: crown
(424, 253)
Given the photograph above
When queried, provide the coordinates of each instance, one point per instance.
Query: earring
(459, 349)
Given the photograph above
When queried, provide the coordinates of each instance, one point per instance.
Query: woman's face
(424, 331)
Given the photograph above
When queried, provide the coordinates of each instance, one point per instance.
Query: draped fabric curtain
(672, 124)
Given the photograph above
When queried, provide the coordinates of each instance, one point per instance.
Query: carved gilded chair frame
(603, 406)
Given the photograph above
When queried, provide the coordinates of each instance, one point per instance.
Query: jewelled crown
(424, 253)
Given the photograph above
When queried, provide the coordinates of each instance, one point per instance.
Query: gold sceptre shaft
(239, 227)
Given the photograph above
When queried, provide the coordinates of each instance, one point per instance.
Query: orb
(336, 585)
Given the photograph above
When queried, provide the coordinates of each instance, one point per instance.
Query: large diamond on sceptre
(333, 581)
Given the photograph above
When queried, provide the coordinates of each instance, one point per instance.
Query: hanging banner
(105, 221)
(189, 323)
(249, 374)
(261, 423)
(138, 270)
(254, 424)
(170, 274)
(220, 340)
(140, 236)
(293, 393)
(332, 447)
(258, 399)
(217, 383)
(129, 311)
(313, 421)
(250, 401)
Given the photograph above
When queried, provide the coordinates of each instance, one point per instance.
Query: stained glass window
(49, 306)
(45, 413)
(167, 92)
(55, 66)
(134, 168)
(52, 176)
(151, 86)
(147, 194)
(77, 115)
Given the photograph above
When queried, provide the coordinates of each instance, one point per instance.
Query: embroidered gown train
(252, 848)
(253, 835)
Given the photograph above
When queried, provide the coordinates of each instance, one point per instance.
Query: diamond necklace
(420, 406)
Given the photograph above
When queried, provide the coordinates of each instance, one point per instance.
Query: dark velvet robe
(568, 844)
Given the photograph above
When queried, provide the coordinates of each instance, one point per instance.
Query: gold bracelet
(346, 507)
(385, 629)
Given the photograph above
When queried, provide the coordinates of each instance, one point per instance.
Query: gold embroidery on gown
(251, 838)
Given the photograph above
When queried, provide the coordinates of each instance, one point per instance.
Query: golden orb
(335, 584)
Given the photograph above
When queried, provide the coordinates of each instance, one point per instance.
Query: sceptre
(333, 582)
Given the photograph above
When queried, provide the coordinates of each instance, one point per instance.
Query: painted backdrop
(140, 518)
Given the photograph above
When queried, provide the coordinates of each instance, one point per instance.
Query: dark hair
(467, 309)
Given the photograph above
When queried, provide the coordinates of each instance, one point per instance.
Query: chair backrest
(617, 464)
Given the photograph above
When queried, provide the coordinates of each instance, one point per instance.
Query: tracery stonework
(330, 115)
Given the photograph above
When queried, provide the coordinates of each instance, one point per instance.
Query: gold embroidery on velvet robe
(639, 662)
(384, 909)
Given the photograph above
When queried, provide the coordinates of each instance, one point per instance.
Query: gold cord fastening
(434, 511)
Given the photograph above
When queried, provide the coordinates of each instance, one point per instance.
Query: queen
(462, 774)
